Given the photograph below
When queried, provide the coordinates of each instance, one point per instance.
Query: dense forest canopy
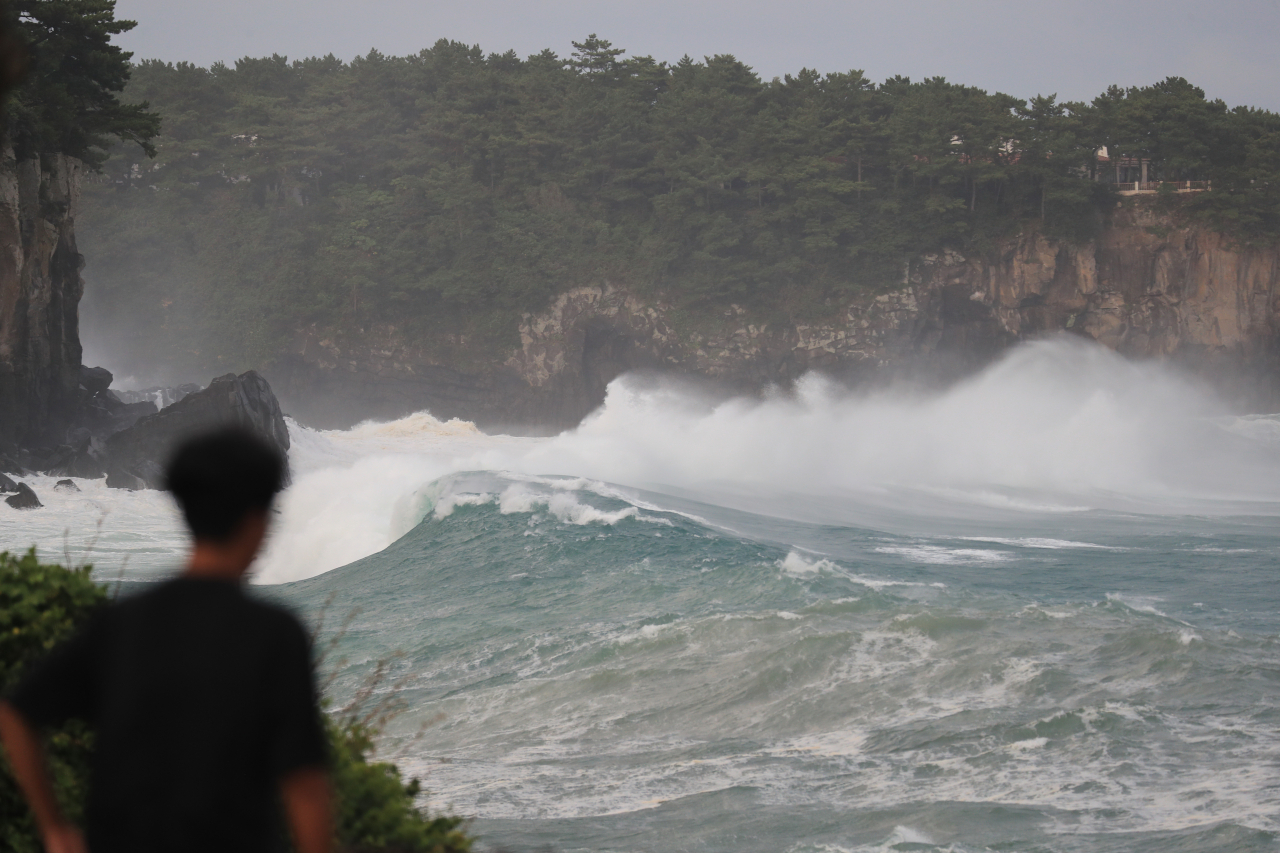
(452, 190)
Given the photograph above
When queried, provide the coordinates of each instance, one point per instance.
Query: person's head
(224, 480)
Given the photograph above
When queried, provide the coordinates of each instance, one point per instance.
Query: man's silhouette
(202, 699)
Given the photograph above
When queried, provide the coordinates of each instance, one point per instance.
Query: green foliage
(40, 605)
(1245, 170)
(1190, 138)
(375, 810)
(68, 102)
(449, 192)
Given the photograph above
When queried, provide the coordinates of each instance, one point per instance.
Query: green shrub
(375, 810)
(42, 604)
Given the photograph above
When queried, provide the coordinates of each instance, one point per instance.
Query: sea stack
(136, 455)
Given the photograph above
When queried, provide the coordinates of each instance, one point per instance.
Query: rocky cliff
(56, 416)
(1148, 287)
(40, 289)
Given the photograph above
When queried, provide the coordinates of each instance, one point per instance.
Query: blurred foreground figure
(202, 699)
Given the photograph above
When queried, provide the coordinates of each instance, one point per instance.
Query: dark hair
(220, 477)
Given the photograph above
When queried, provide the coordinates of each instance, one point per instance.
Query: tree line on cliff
(451, 190)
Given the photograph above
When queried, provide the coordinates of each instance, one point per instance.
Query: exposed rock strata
(40, 289)
(1144, 288)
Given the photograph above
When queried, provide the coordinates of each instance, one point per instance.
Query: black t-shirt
(202, 699)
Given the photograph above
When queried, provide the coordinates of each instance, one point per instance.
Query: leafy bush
(375, 810)
(42, 604)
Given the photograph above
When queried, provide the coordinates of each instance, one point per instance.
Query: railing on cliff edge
(1137, 187)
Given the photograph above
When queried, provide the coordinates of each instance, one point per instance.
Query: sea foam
(1056, 425)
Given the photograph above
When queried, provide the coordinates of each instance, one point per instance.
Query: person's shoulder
(166, 593)
(143, 595)
(275, 617)
(178, 594)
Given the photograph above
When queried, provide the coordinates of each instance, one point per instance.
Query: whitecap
(938, 555)
(1039, 542)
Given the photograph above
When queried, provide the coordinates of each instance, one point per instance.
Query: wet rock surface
(24, 499)
(40, 290)
(118, 478)
(137, 455)
(95, 379)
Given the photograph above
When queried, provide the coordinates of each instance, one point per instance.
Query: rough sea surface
(1037, 612)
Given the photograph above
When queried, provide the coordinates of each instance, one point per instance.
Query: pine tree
(69, 102)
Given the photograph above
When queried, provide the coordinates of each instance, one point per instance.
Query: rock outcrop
(1148, 287)
(136, 456)
(40, 289)
(24, 499)
(158, 396)
(56, 415)
(103, 412)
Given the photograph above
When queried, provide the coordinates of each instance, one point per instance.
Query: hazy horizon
(1074, 49)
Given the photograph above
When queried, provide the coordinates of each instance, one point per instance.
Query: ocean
(1037, 611)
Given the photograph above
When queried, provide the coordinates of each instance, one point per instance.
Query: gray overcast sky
(1075, 48)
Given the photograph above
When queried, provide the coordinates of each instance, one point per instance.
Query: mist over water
(1058, 416)
(1035, 611)
(1059, 425)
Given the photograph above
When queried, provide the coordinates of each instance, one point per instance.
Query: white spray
(1057, 422)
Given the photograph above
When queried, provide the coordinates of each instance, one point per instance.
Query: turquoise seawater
(609, 669)
(1038, 611)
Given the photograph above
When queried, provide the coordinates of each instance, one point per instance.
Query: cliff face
(40, 289)
(1145, 288)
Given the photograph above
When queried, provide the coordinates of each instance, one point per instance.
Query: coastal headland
(1145, 287)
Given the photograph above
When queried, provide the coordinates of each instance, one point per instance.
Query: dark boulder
(53, 459)
(104, 413)
(118, 478)
(79, 439)
(90, 455)
(95, 379)
(65, 486)
(81, 459)
(138, 454)
(125, 415)
(9, 465)
(32, 459)
(24, 499)
(7, 485)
